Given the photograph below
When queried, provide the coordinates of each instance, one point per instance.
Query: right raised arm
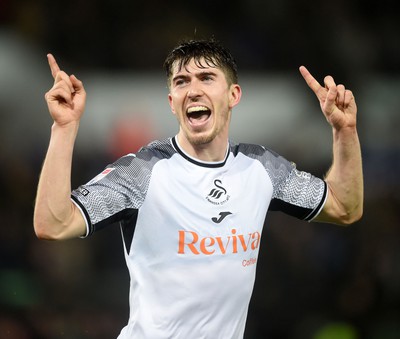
(55, 215)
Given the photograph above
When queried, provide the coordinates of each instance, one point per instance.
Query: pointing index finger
(53, 65)
(310, 80)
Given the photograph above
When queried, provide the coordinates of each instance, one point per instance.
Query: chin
(201, 138)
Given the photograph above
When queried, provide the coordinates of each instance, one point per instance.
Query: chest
(219, 206)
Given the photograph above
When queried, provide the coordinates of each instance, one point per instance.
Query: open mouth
(198, 114)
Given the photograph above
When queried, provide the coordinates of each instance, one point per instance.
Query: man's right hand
(66, 99)
(56, 217)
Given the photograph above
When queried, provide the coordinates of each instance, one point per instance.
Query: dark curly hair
(205, 53)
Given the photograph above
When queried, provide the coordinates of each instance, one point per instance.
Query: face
(202, 101)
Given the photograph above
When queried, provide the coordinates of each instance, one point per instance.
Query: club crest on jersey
(218, 194)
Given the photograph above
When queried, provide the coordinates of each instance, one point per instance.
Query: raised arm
(56, 216)
(344, 204)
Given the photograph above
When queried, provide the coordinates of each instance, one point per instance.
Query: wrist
(71, 127)
(349, 131)
(65, 133)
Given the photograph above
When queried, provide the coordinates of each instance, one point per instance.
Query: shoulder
(143, 160)
(158, 148)
(247, 149)
(255, 151)
(277, 166)
(152, 152)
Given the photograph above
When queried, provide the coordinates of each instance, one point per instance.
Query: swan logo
(218, 194)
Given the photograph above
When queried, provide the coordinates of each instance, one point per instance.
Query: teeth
(197, 109)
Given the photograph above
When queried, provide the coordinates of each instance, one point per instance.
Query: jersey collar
(198, 162)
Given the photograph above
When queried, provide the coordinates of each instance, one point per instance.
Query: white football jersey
(191, 232)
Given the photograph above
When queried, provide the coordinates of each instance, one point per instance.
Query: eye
(207, 77)
(180, 82)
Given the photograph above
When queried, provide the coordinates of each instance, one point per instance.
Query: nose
(194, 91)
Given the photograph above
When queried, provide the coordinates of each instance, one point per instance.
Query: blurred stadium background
(314, 280)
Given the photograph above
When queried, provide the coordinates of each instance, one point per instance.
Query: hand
(337, 103)
(66, 99)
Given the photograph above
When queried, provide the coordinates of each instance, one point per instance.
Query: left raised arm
(344, 204)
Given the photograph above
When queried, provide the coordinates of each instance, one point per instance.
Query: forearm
(55, 214)
(345, 178)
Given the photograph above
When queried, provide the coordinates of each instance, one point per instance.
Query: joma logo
(190, 241)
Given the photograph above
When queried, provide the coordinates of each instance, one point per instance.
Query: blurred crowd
(315, 281)
(346, 36)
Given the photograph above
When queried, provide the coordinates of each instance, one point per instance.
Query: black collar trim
(197, 162)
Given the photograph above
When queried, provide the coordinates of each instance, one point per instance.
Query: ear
(235, 94)
(170, 101)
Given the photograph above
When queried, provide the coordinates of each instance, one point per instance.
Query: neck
(213, 151)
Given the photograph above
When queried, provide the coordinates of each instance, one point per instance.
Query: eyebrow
(177, 77)
(198, 74)
(206, 73)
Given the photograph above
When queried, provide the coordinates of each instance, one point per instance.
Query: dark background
(314, 280)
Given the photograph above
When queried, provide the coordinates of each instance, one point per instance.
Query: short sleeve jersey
(191, 232)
